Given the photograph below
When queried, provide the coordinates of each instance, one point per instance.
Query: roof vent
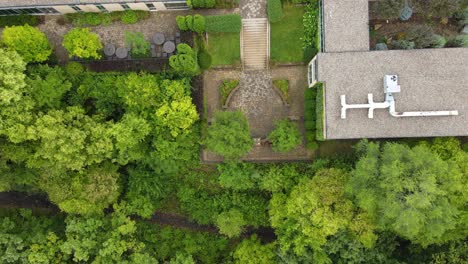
(391, 84)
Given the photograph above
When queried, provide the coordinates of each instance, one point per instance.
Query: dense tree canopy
(411, 191)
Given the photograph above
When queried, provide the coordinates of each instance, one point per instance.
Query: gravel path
(253, 8)
(257, 99)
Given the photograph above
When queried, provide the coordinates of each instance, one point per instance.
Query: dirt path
(39, 203)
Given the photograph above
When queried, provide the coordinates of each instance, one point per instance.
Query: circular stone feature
(169, 47)
(109, 50)
(159, 38)
(121, 53)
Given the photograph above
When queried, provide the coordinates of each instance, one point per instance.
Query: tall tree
(411, 191)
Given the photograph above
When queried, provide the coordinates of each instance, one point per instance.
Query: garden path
(257, 99)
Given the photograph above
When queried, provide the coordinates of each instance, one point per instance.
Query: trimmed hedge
(310, 96)
(96, 19)
(274, 10)
(201, 3)
(8, 21)
(319, 114)
(231, 23)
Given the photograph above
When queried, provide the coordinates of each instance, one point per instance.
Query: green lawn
(224, 48)
(285, 36)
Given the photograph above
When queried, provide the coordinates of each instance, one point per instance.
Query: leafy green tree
(229, 135)
(29, 42)
(70, 140)
(315, 209)
(130, 134)
(86, 192)
(230, 223)
(82, 43)
(237, 175)
(178, 115)
(410, 191)
(251, 251)
(275, 178)
(48, 86)
(30, 239)
(285, 137)
(15, 104)
(181, 258)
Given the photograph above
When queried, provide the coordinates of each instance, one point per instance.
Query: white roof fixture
(390, 86)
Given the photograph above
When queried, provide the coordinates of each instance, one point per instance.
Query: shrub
(310, 124)
(82, 43)
(285, 137)
(311, 37)
(387, 9)
(204, 60)
(403, 44)
(458, 41)
(226, 88)
(181, 23)
(438, 8)
(89, 19)
(230, 223)
(21, 20)
(139, 47)
(201, 3)
(185, 61)
(229, 135)
(129, 17)
(423, 37)
(199, 24)
(74, 68)
(274, 10)
(224, 23)
(189, 22)
(29, 42)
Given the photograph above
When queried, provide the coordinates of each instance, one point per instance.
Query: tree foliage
(411, 191)
(251, 251)
(29, 42)
(229, 135)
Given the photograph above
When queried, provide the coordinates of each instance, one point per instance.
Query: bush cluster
(274, 10)
(185, 61)
(194, 23)
(201, 3)
(311, 38)
(96, 19)
(231, 23)
(8, 21)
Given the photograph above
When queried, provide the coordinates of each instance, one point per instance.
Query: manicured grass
(224, 48)
(285, 36)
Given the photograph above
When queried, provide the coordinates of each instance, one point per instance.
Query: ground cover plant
(287, 34)
(283, 86)
(226, 88)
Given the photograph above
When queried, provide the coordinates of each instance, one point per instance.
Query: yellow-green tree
(82, 43)
(31, 43)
